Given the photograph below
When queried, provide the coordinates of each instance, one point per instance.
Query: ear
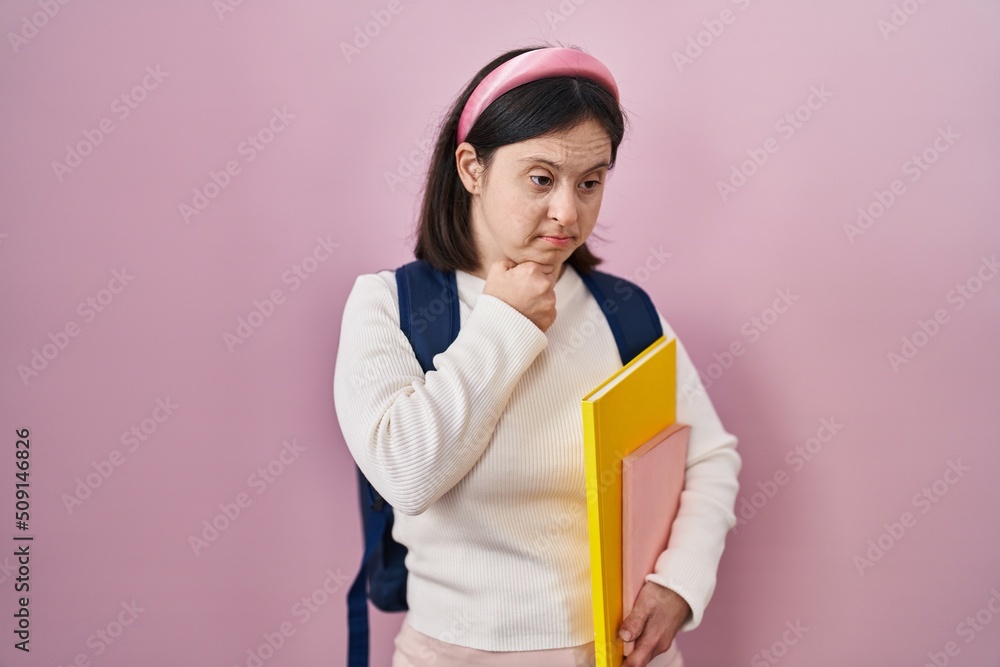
(469, 169)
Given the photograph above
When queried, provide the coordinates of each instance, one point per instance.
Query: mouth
(560, 241)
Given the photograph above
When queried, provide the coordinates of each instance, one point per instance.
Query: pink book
(652, 481)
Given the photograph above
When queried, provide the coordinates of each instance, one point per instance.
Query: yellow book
(619, 415)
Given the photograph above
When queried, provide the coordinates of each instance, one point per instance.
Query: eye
(594, 186)
(539, 176)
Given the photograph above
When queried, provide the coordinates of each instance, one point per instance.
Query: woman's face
(540, 199)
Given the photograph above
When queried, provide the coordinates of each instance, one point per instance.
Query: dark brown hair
(444, 231)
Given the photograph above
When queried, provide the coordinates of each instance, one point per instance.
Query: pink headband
(531, 66)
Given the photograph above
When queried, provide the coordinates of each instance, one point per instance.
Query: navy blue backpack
(382, 577)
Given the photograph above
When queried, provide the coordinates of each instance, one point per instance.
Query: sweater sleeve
(706, 514)
(415, 436)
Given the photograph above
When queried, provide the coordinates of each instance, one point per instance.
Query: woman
(482, 458)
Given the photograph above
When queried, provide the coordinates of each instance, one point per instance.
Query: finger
(643, 651)
(632, 626)
(501, 265)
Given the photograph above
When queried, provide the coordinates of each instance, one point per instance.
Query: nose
(563, 206)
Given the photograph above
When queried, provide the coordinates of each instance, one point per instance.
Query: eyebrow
(544, 160)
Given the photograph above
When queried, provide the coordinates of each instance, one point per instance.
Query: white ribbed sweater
(482, 460)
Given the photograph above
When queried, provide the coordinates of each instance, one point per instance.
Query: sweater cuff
(685, 574)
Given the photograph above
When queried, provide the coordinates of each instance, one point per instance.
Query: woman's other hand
(655, 618)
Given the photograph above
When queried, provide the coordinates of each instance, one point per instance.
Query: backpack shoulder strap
(375, 523)
(631, 314)
(429, 316)
(428, 309)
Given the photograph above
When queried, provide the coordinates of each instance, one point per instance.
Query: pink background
(324, 175)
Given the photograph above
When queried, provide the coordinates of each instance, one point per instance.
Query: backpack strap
(428, 306)
(357, 595)
(429, 316)
(630, 312)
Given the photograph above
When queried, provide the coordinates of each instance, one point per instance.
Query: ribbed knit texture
(483, 461)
